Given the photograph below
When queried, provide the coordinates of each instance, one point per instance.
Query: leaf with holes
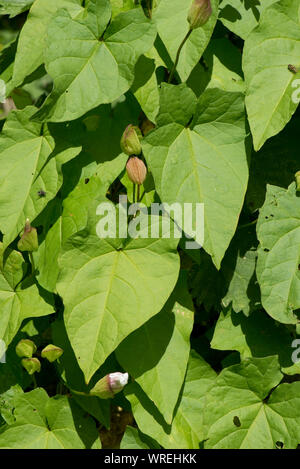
(249, 417)
(278, 272)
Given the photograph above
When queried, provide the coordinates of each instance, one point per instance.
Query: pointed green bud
(31, 365)
(136, 170)
(297, 177)
(52, 352)
(29, 239)
(110, 385)
(199, 13)
(130, 141)
(25, 348)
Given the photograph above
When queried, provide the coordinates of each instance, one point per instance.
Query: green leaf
(7, 57)
(145, 87)
(118, 6)
(71, 216)
(49, 423)
(92, 65)
(14, 7)
(186, 431)
(19, 299)
(268, 51)
(221, 68)
(206, 164)
(256, 336)
(97, 275)
(248, 418)
(131, 439)
(32, 40)
(7, 403)
(171, 108)
(156, 355)
(241, 17)
(170, 17)
(31, 156)
(278, 231)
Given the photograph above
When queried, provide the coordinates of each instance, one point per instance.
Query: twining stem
(178, 55)
(133, 194)
(149, 8)
(32, 263)
(34, 381)
(79, 393)
(59, 388)
(247, 224)
(138, 193)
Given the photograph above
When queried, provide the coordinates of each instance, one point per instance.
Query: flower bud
(52, 352)
(297, 177)
(29, 239)
(25, 348)
(199, 13)
(147, 126)
(31, 365)
(110, 385)
(136, 170)
(130, 142)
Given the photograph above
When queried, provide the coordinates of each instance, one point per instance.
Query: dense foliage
(206, 338)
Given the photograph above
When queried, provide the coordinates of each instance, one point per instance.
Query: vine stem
(133, 194)
(32, 263)
(178, 55)
(149, 7)
(138, 193)
(79, 393)
(34, 381)
(248, 224)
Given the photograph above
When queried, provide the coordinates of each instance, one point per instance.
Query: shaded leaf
(278, 273)
(268, 51)
(156, 355)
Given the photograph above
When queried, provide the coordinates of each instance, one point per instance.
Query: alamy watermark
(296, 354)
(2, 91)
(157, 221)
(2, 351)
(296, 93)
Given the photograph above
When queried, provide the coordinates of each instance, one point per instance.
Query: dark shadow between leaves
(141, 359)
(230, 14)
(264, 337)
(85, 426)
(253, 4)
(144, 70)
(73, 376)
(148, 405)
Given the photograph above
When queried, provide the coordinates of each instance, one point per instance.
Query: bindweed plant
(149, 224)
